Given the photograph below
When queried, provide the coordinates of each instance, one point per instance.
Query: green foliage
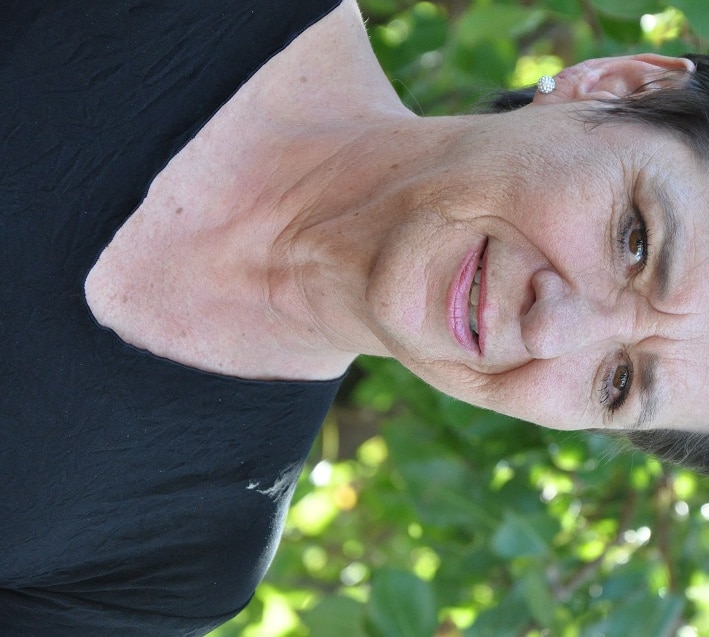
(419, 515)
(427, 517)
(443, 56)
(401, 604)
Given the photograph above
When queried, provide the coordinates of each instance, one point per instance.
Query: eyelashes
(634, 241)
(634, 250)
(615, 386)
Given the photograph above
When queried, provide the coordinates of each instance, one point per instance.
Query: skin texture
(577, 329)
(338, 223)
(565, 301)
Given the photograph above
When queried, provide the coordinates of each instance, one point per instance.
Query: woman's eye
(636, 244)
(620, 378)
(616, 387)
(633, 242)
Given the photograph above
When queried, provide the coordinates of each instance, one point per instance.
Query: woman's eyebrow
(649, 400)
(671, 231)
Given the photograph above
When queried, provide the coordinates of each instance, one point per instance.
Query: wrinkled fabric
(137, 496)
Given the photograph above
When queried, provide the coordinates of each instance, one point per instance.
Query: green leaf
(646, 615)
(538, 596)
(518, 536)
(483, 22)
(401, 605)
(339, 616)
(571, 8)
(621, 29)
(630, 578)
(697, 13)
(508, 619)
(628, 9)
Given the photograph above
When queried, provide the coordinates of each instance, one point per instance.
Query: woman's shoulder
(156, 281)
(328, 71)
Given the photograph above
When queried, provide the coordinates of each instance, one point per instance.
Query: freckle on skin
(303, 79)
(178, 211)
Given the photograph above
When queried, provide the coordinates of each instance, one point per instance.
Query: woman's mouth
(473, 300)
(465, 300)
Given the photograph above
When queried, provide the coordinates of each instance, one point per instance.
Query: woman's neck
(251, 253)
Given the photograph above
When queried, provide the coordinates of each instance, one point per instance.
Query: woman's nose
(563, 320)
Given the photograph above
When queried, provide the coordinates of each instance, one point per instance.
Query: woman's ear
(609, 78)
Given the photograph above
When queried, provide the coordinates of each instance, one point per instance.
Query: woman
(209, 211)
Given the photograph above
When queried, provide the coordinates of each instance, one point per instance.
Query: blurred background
(418, 516)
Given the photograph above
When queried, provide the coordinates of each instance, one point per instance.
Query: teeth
(473, 321)
(473, 302)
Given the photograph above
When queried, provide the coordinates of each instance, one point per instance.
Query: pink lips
(458, 308)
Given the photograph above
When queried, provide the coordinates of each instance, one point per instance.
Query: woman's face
(591, 248)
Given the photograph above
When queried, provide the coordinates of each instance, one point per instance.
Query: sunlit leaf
(697, 15)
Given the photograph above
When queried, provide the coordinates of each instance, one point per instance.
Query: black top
(137, 496)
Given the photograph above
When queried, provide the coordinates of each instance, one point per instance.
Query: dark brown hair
(681, 107)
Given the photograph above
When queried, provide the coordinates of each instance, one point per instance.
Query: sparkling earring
(546, 84)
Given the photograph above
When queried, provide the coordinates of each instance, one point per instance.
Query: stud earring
(546, 84)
